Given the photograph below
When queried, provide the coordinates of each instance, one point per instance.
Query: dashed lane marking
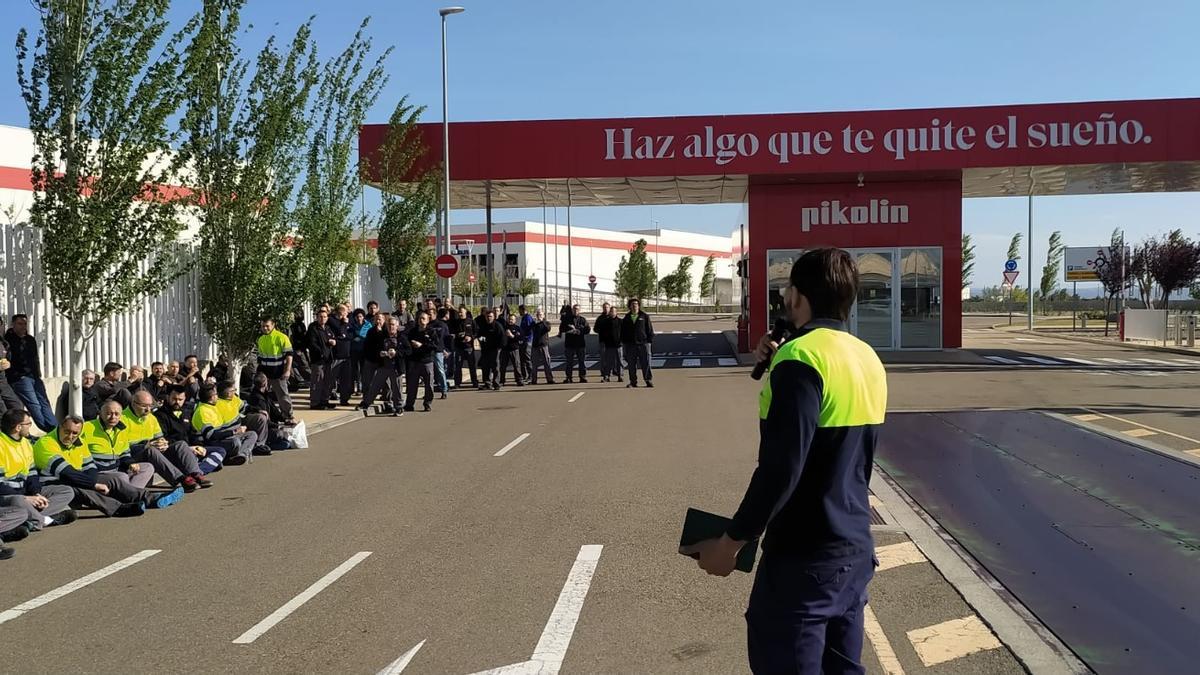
(1195, 452)
(724, 361)
(258, 629)
(896, 555)
(657, 363)
(1119, 362)
(1159, 362)
(1087, 417)
(1081, 361)
(1139, 432)
(1045, 362)
(879, 642)
(1145, 426)
(952, 639)
(1001, 359)
(71, 587)
(396, 667)
(691, 363)
(576, 397)
(516, 441)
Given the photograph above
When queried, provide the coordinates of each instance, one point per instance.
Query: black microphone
(778, 333)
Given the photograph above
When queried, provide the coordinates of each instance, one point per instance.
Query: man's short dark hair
(226, 385)
(13, 417)
(191, 356)
(629, 303)
(829, 279)
(206, 392)
(15, 317)
(157, 363)
(112, 367)
(179, 389)
(521, 308)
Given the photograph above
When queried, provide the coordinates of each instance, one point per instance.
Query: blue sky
(524, 59)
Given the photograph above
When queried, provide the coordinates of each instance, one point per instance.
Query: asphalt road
(443, 544)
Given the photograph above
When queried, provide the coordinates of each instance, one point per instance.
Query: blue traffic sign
(1010, 266)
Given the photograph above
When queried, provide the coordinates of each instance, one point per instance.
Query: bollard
(1083, 319)
(1178, 330)
(1191, 330)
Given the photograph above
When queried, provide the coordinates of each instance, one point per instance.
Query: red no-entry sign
(591, 278)
(447, 266)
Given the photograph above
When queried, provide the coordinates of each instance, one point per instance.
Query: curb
(1033, 645)
(344, 418)
(1149, 446)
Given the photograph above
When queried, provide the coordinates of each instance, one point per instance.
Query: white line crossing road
(257, 630)
(70, 587)
(682, 361)
(1139, 366)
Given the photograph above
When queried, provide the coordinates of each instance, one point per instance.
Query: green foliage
(325, 219)
(246, 137)
(678, 284)
(968, 260)
(1054, 254)
(1014, 247)
(101, 89)
(406, 260)
(635, 277)
(526, 286)
(708, 279)
(1173, 262)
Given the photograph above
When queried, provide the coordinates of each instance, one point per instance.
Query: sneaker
(443, 396)
(428, 408)
(202, 481)
(397, 413)
(16, 534)
(583, 380)
(649, 384)
(189, 484)
(569, 381)
(631, 385)
(620, 379)
(64, 518)
(6, 553)
(165, 499)
(408, 409)
(604, 378)
(495, 387)
(235, 460)
(261, 451)
(130, 510)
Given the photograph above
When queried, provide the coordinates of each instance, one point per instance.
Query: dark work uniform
(540, 337)
(420, 363)
(320, 360)
(525, 323)
(491, 341)
(511, 356)
(819, 415)
(8, 398)
(637, 337)
(341, 369)
(608, 329)
(573, 331)
(385, 369)
(298, 334)
(463, 331)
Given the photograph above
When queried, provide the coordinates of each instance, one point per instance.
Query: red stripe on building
(14, 178)
(498, 240)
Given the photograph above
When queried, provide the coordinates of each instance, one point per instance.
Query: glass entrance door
(871, 318)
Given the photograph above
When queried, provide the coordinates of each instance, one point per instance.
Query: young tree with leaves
(968, 260)
(246, 138)
(1112, 266)
(708, 280)
(101, 88)
(406, 260)
(1014, 246)
(1053, 266)
(325, 215)
(1173, 262)
(636, 277)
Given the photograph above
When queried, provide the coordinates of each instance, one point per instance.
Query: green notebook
(700, 525)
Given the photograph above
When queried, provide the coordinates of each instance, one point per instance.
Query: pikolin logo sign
(833, 212)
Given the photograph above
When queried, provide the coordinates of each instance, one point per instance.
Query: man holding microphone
(820, 412)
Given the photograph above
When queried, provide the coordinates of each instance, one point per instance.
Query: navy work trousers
(806, 617)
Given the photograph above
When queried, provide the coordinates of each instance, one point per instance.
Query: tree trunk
(75, 375)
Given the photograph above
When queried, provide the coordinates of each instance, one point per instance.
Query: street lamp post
(441, 242)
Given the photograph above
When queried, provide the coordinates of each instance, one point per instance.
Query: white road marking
(1036, 340)
(1146, 426)
(576, 397)
(1158, 362)
(1001, 359)
(952, 639)
(590, 364)
(1138, 432)
(1038, 359)
(1083, 361)
(725, 361)
(716, 332)
(895, 555)
(1119, 362)
(657, 363)
(551, 648)
(879, 642)
(510, 446)
(1087, 417)
(396, 667)
(691, 363)
(71, 587)
(292, 605)
(1187, 362)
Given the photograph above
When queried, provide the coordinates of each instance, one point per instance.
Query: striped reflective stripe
(270, 360)
(16, 483)
(57, 465)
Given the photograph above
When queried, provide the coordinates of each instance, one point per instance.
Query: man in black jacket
(491, 341)
(573, 330)
(385, 350)
(424, 344)
(540, 337)
(463, 329)
(298, 334)
(371, 342)
(438, 326)
(8, 398)
(608, 329)
(177, 430)
(320, 342)
(637, 336)
(341, 372)
(25, 373)
(511, 356)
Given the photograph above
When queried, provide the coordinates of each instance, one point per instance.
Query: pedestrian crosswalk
(667, 362)
(1107, 362)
